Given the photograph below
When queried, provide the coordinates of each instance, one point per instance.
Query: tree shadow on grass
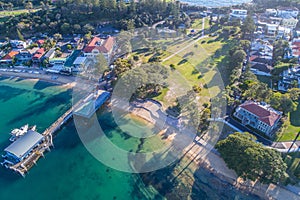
(295, 119)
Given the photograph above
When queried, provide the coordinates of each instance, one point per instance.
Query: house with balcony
(259, 116)
(287, 12)
(239, 14)
(37, 57)
(290, 78)
(25, 55)
(289, 23)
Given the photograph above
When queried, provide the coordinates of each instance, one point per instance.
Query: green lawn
(197, 24)
(195, 65)
(292, 130)
(7, 13)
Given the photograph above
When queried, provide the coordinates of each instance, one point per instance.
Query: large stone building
(258, 116)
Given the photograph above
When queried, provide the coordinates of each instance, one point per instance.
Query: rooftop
(104, 46)
(264, 113)
(24, 144)
(10, 55)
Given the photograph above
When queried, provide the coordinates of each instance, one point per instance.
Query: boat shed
(23, 146)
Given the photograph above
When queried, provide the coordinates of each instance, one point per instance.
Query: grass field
(6, 13)
(196, 65)
(292, 130)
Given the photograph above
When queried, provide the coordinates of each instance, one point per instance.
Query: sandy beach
(52, 78)
(203, 155)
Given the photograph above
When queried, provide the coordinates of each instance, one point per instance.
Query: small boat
(21, 131)
(17, 133)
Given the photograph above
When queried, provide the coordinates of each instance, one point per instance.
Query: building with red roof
(37, 57)
(259, 116)
(8, 58)
(99, 46)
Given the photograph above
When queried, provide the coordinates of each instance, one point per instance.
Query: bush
(197, 88)
(172, 66)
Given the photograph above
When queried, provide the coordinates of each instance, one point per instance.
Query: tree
(20, 36)
(283, 102)
(280, 49)
(28, 6)
(88, 28)
(121, 66)
(65, 28)
(57, 36)
(2, 5)
(248, 26)
(250, 160)
(294, 93)
(238, 57)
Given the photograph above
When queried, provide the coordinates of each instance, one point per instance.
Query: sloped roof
(39, 53)
(24, 144)
(265, 115)
(262, 67)
(104, 46)
(10, 55)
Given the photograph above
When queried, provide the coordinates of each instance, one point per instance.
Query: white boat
(17, 133)
(20, 131)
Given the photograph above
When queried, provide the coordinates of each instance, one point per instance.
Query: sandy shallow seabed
(211, 162)
(60, 79)
(202, 157)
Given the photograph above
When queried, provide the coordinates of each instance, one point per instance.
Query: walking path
(195, 40)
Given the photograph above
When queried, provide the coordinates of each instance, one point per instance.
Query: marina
(28, 145)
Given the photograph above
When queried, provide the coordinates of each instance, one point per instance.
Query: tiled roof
(10, 55)
(40, 41)
(267, 116)
(98, 43)
(39, 53)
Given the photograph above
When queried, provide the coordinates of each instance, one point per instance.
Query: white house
(287, 12)
(259, 116)
(238, 13)
(289, 77)
(79, 64)
(271, 30)
(18, 44)
(271, 12)
(289, 23)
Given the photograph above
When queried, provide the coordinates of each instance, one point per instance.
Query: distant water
(69, 171)
(215, 3)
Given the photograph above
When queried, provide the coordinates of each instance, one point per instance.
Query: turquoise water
(69, 171)
(216, 3)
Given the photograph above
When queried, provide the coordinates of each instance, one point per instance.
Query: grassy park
(294, 127)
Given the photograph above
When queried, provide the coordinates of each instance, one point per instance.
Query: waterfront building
(259, 116)
(100, 46)
(79, 64)
(8, 58)
(23, 147)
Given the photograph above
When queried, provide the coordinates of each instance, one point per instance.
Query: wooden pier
(26, 164)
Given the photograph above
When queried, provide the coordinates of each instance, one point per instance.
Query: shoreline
(213, 164)
(49, 78)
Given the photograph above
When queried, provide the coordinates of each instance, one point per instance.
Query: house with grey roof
(23, 146)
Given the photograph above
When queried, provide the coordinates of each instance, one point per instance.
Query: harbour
(29, 146)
